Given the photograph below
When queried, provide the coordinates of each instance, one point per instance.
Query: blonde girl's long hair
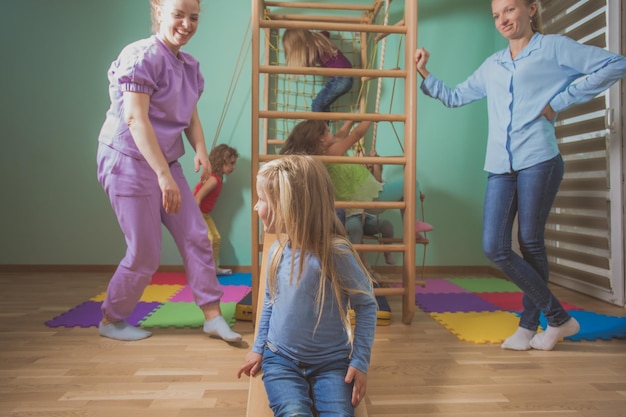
(300, 199)
(304, 48)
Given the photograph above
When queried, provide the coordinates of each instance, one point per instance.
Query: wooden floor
(416, 370)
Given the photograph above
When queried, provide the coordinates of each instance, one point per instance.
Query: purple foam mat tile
(463, 302)
(439, 286)
(142, 310)
(87, 314)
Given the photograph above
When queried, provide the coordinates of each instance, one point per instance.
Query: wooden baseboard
(428, 270)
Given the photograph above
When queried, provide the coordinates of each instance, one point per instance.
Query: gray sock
(120, 330)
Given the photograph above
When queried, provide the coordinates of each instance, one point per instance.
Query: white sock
(548, 339)
(120, 330)
(520, 340)
(218, 327)
(223, 271)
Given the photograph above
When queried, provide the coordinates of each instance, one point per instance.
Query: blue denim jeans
(298, 390)
(334, 88)
(356, 227)
(529, 194)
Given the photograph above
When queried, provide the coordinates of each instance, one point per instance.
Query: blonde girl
(313, 362)
(304, 48)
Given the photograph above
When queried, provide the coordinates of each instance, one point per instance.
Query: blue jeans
(356, 227)
(334, 88)
(299, 390)
(529, 194)
(341, 214)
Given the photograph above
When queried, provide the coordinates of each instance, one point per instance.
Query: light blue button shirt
(550, 69)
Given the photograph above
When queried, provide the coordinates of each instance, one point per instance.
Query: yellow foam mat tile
(152, 293)
(479, 327)
(99, 297)
(160, 293)
(383, 318)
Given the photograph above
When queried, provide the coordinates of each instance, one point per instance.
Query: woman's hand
(360, 384)
(202, 159)
(251, 365)
(549, 113)
(136, 107)
(171, 193)
(421, 59)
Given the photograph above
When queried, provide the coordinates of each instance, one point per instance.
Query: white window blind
(578, 233)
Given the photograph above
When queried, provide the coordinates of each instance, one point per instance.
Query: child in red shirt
(223, 160)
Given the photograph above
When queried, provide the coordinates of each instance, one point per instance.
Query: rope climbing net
(295, 93)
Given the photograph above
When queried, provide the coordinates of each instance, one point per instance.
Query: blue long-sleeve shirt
(551, 69)
(289, 323)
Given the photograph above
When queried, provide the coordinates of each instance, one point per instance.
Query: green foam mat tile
(184, 315)
(485, 284)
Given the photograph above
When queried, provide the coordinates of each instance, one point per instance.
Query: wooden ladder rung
(421, 241)
(365, 247)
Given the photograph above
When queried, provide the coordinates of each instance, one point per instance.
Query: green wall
(54, 97)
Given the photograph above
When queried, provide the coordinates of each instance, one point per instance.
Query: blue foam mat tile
(594, 326)
(237, 278)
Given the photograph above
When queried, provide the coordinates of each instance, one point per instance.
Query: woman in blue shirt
(526, 85)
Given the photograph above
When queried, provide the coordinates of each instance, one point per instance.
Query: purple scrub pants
(135, 196)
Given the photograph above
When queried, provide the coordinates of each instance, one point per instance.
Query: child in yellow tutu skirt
(351, 182)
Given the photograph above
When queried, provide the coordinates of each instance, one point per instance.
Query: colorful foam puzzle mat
(383, 315)
(243, 310)
(486, 310)
(166, 302)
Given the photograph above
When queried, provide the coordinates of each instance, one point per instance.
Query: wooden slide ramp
(258, 405)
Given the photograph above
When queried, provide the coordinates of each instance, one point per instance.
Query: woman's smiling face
(178, 21)
(512, 17)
